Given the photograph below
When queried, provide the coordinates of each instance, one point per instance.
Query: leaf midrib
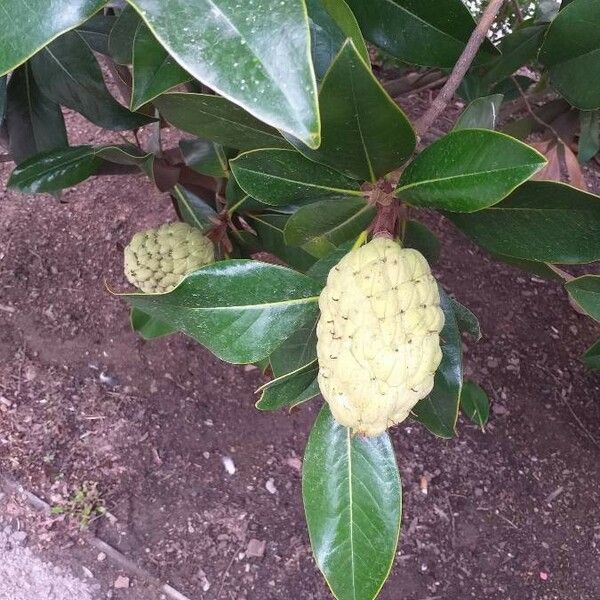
(243, 307)
(286, 376)
(344, 192)
(360, 131)
(542, 209)
(351, 510)
(473, 174)
(48, 171)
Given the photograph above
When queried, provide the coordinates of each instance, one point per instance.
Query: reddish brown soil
(511, 513)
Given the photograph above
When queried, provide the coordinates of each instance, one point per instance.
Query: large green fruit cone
(378, 335)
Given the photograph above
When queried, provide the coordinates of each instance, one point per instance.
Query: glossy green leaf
(353, 504)
(96, 32)
(120, 41)
(55, 170)
(364, 133)
(591, 358)
(216, 119)
(571, 52)
(244, 245)
(148, 327)
(241, 310)
(585, 291)
(34, 122)
(471, 87)
(123, 154)
(269, 229)
(67, 72)
(282, 177)
(27, 26)
(328, 223)
(418, 236)
(542, 221)
(257, 55)
(468, 170)
(297, 358)
(589, 135)
(297, 352)
(126, 156)
(431, 34)
(517, 48)
(320, 270)
(482, 113)
(439, 411)
(475, 404)
(204, 157)
(541, 269)
(154, 71)
(331, 23)
(239, 201)
(262, 364)
(193, 210)
(466, 320)
(290, 389)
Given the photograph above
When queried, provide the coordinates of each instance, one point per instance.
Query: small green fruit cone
(158, 259)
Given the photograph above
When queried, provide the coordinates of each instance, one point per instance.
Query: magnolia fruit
(158, 259)
(378, 335)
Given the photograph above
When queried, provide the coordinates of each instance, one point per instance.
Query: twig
(581, 425)
(452, 523)
(460, 68)
(515, 106)
(414, 82)
(20, 371)
(507, 520)
(427, 86)
(226, 572)
(530, 110)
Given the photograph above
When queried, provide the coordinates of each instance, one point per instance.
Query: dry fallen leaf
(576, 176)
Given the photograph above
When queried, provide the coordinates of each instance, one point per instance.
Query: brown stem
(386, 220)
(460, 68)
(426, 86)
(530, 110)
(408, 83)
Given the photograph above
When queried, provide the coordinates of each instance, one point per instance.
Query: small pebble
(121, 583)
(229, 465)
(270, 485)
(294, 462)
(256, 548)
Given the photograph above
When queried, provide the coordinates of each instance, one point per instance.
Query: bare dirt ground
(509, 514)
(23, 576)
